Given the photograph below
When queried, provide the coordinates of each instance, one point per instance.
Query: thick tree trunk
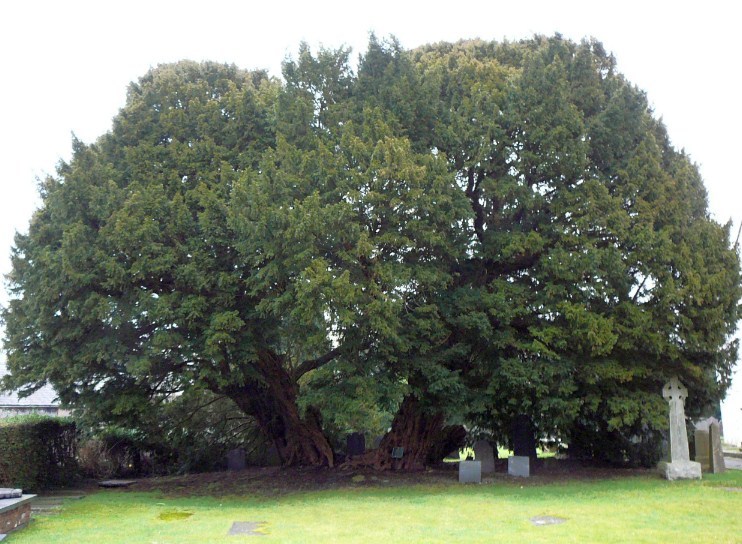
(272, 401)
(414, 431)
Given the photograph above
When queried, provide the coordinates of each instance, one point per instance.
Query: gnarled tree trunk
(272, 401)
(412, 429)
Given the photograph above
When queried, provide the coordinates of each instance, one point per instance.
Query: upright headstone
(524, 440)
(272, 456)
(484, 453)
(355, 444)
(680, 465)
(703, 448)
(236, 459)
(519, 465)
(470, 472)
(717, 454)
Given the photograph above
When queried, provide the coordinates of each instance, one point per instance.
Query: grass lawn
(631, 509)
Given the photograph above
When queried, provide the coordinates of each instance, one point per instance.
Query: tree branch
(313, 364)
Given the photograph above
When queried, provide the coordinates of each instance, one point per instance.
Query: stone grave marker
(272, 457)
(470, 472)
(680, 466)
(703, 448)
(519, 465)
(539, 521)
(248, 528)
(10, 493)
(236, 459)
(355, 444)
(716, 454)
(116, 483)
(484, 452)
(524, 438)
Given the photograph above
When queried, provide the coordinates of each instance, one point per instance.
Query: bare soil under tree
(276, 481)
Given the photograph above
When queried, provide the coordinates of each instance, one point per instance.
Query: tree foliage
(485, 230)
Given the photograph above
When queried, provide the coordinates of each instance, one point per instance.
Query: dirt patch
(274, 481)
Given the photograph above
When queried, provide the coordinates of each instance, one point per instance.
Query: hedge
(37, 452)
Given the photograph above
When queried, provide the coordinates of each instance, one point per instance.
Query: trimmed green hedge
(37, 452)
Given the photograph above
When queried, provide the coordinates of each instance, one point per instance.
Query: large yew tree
(228, 233)
(496, 230)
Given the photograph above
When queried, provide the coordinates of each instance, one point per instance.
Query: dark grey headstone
(236, 459)
(546, 520)
(356, 444)
(484, 452)
(248, 528)
(519, 465)
(523, 436)
(272, 457)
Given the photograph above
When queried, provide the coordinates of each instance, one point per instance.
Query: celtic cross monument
(680, 466)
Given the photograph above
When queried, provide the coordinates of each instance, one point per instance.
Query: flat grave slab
(116, 483)
(248, 528)
(546, 520)
(6, 505)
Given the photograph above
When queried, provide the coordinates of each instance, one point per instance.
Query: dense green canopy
(486, 229)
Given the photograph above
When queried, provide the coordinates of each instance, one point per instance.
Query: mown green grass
(632, 509)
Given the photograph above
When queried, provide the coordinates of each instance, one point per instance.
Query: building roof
(46, 396)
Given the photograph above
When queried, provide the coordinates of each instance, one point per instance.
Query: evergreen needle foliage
(485, 230)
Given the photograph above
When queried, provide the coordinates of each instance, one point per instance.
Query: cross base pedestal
(680, 470)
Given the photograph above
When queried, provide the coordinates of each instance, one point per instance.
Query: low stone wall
(15, 513)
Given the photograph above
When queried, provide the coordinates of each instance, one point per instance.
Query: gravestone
(680, 466)
(355, 444)
(470, 472)
(116, 483)
(717, 454)
(484, 453)
(248, 528)
(519, 465)
(523, 436)
(540, 521)
(236, 459)
(10, 493)
(703, 448)
(272, 456)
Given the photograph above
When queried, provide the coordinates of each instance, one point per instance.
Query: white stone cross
(675, 393)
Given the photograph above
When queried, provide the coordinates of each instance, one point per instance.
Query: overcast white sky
(66, 64)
